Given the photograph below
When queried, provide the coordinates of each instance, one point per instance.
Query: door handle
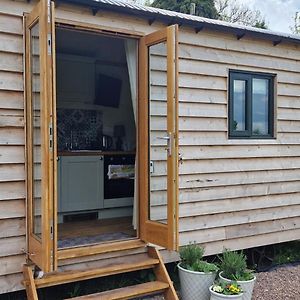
(169, 139)
(163, 138)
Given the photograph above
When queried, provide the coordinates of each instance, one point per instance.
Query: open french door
(158, 138)
(40, 148)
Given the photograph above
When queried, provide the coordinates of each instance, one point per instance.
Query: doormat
(94, 239)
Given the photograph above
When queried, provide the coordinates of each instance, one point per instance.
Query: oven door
(115, 188)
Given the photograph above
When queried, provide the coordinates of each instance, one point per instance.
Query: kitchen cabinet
(82, 177)
(75, 79)
(80, 183)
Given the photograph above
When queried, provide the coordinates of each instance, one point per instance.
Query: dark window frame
(248, 77)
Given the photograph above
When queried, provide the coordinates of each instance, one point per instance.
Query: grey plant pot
(217, 296)
(195, 285)
(247, 286)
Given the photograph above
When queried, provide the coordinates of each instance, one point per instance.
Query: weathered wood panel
(11, 264)
(249, 241)
(12, 156)
(12, 246)
(12, 136)
(12, 282)
(12, 227)
(247, 45)
(12, 208)
(258, 178)
(11, 100)
(240, 217)
(14, 172)
(11, 43)
(10, 23)
(235, 193)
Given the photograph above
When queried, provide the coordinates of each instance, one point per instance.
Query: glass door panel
(39, 136)
(158, 134)
(36, 125)
(158, 138)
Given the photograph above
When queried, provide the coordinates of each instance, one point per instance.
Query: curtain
(131, 57)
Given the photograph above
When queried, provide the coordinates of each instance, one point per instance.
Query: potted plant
(195, 275)
(233, 266)
(223, 290)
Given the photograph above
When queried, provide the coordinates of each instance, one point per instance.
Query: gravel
(282, 283)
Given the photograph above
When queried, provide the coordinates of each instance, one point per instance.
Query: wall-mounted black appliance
(108, 90)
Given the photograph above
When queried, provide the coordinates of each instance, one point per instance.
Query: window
(251, 105)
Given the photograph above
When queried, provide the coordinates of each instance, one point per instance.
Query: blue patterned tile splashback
(79, 127)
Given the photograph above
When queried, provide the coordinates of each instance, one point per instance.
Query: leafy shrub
(191, 259)
(234, 266)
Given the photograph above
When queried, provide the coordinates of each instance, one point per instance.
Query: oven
(120, 187)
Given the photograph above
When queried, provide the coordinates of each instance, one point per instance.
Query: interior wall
(110, 59)
(123, 115)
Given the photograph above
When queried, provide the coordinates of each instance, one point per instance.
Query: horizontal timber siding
(12, 142)
(236, 193)
(233, 193)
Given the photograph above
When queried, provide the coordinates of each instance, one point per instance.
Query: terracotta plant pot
(247, 286)
(217, 296)
(195, 285)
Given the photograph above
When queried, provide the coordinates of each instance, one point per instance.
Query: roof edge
(169, 17)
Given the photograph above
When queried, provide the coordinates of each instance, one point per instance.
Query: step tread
(56, 278)
(98, 249)
(128, 292)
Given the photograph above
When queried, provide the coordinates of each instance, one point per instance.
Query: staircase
(151, 259)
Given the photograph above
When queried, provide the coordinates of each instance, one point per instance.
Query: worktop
(93, 152)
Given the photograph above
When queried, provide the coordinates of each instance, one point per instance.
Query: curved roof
(171, 17)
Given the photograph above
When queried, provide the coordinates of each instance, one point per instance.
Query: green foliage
(204, 266)
(191, 259)
(190, 254)
(261, 24)
(234, 266)
(204, 8)
(75, 292)
(287, 253)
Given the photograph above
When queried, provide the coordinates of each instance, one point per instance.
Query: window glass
(251, 104)
(239, 105)
(260, 106)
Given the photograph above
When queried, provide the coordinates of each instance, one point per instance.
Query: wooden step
(128, 292)
(140, 261)
(101, 248)
(136, 263)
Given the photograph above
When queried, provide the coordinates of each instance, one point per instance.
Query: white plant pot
(195, 285)
(217, 296)
(247, 286)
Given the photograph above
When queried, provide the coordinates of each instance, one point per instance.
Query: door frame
(89, 250)
(77, 252)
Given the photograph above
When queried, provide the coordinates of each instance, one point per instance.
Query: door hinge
(50, 136)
